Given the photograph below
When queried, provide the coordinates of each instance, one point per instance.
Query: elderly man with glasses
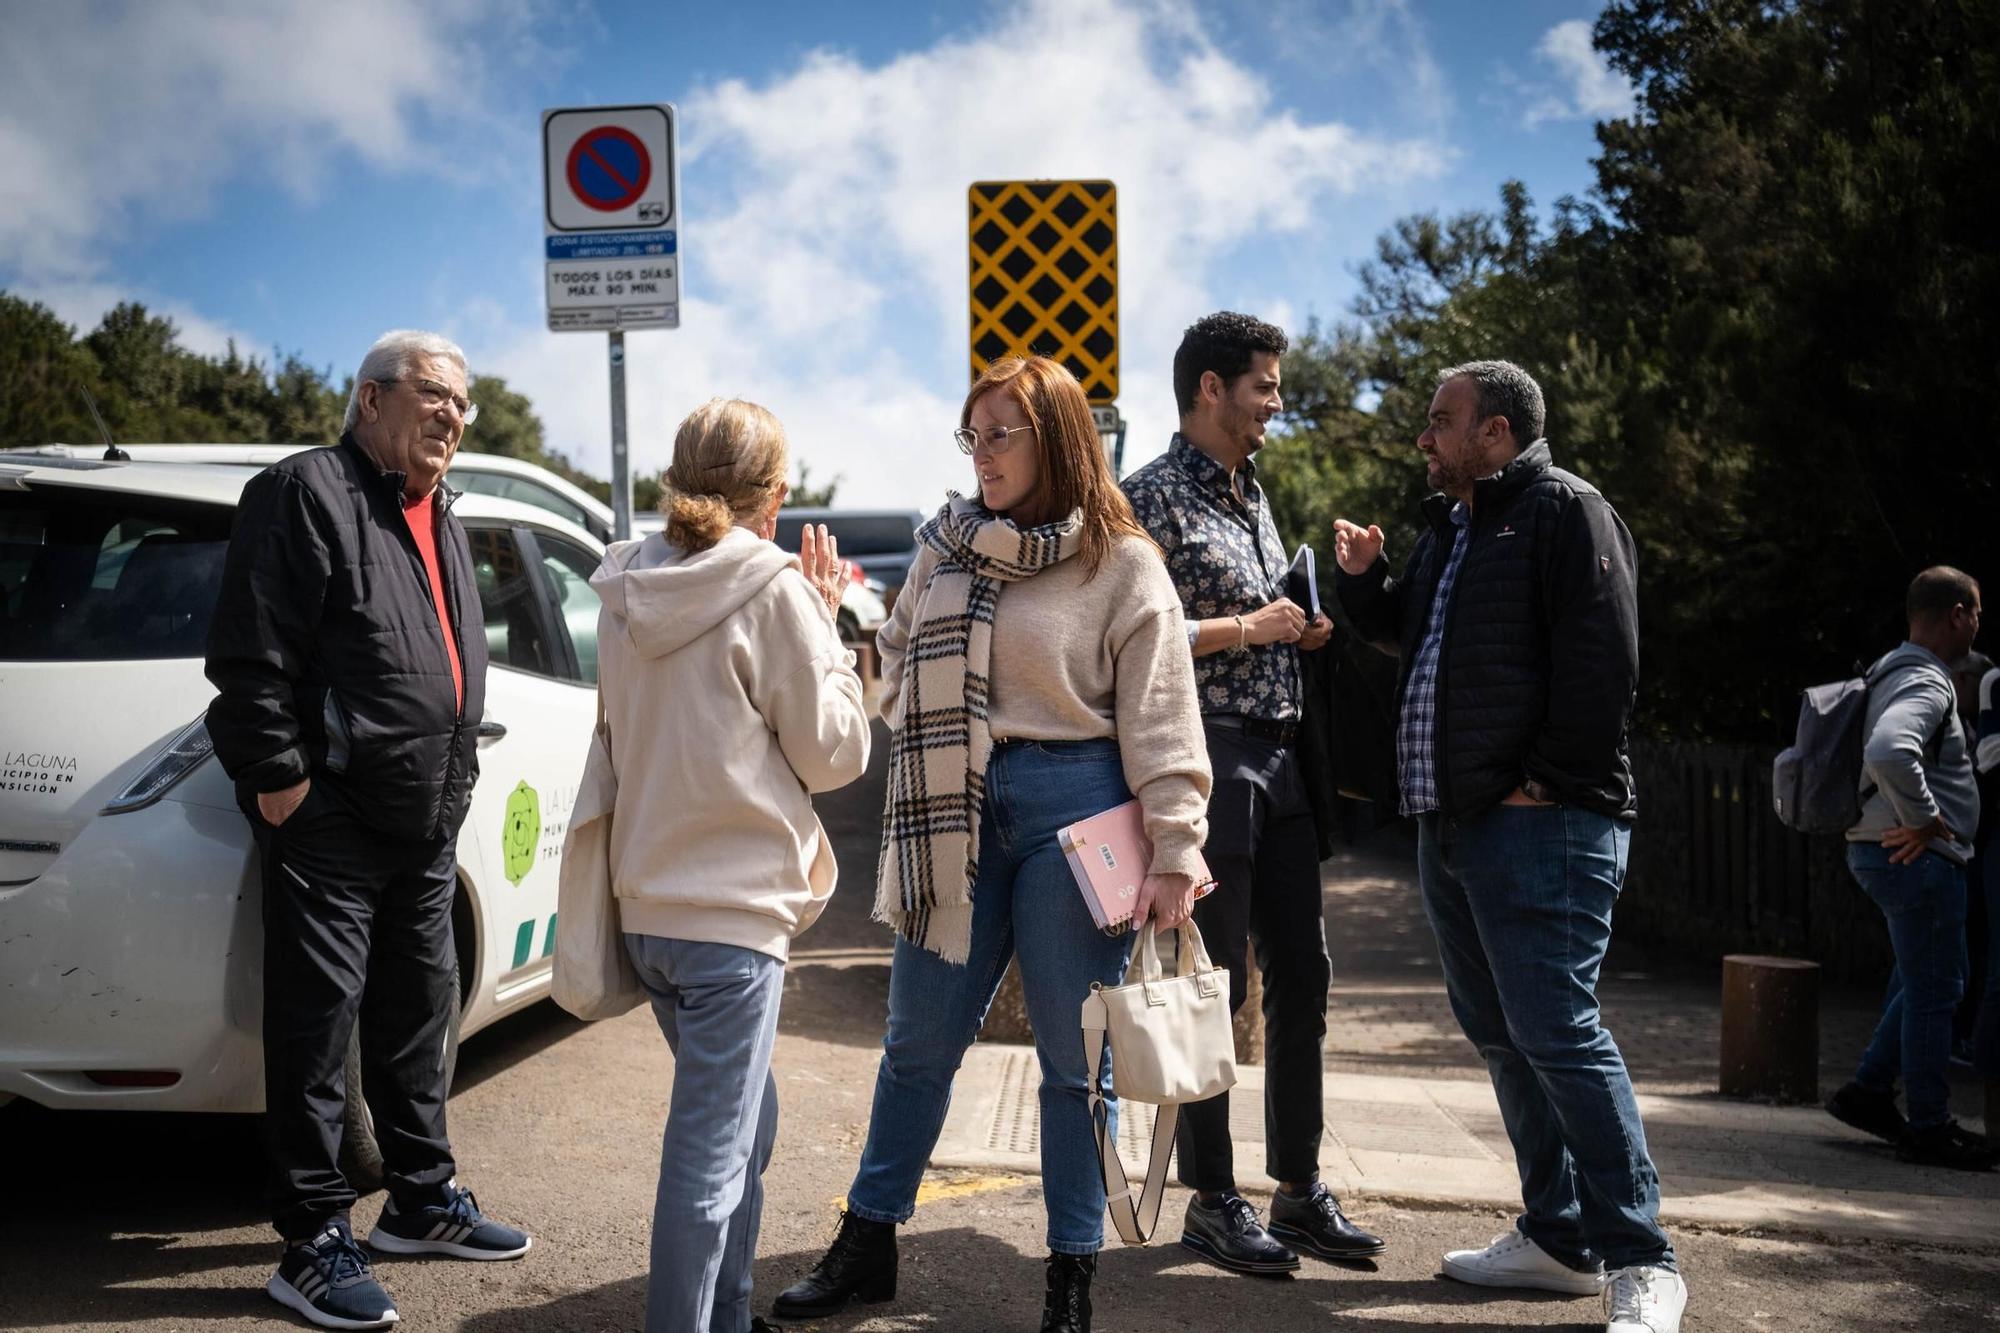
(350, 656)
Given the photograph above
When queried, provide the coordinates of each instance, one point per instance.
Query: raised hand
(1355, 548)
(819, 561)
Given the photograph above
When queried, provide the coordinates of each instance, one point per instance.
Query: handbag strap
(604, 724)
(1135, 1218)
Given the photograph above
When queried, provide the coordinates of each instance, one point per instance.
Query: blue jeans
(1924, 903)
(1024, 901)
(718, 1006)
(1521, 898)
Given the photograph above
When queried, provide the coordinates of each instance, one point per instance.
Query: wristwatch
(1535, 791)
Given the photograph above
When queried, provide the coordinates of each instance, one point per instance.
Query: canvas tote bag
(1171, 1043)
(594, 976)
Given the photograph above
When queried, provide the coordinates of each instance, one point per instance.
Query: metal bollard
(1770, 1028)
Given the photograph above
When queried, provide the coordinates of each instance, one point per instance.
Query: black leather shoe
(1229, 1236)
(1313, 1223)
(860, 1265)
(1948, 1145)
(1868, 1111)
(1067, 1309)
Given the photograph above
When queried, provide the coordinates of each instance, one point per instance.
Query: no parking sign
(611, 188)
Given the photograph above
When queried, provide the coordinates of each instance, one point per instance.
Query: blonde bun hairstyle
(729, 457)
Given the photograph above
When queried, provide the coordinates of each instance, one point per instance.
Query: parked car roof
(216, 483)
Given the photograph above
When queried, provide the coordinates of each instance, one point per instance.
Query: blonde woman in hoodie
(730, 700)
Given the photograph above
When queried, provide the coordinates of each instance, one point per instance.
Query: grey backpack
(1816, 781)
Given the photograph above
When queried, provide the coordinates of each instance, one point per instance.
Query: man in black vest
(1517, 620)
(350, 655)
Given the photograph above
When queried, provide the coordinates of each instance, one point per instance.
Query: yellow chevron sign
(1045, 276)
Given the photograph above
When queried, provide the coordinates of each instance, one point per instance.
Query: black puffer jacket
(1540, 660)
(326, 648)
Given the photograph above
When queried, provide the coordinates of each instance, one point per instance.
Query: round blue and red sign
(609, 168)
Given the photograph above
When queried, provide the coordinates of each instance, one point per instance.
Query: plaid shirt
(1416, 730)
(1225, 559)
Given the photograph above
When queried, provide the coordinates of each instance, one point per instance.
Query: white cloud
(1586, 87)
(115, 117)
(825, 248)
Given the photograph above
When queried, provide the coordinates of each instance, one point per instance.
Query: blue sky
(303, 176)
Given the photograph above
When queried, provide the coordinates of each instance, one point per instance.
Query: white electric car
(130, 928)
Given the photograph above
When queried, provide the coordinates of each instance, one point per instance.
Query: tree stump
(1770, 1028)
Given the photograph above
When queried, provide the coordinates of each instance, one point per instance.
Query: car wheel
(360, 1154)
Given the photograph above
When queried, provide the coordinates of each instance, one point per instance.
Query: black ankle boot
(1067, 1309)
(860, 1265)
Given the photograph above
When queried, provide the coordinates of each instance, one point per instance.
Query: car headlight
(189, 746)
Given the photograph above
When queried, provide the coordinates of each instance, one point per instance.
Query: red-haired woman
(1035, 673)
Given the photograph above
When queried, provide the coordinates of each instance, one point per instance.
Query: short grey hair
(390, 359)
(1505, 390)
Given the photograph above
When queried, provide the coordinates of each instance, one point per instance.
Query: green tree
(805, 495)
(44, 375)
(1768, 338)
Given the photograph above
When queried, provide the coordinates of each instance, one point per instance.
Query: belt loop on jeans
(1278, 733)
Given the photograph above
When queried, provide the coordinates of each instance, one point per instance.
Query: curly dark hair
(1224, 343)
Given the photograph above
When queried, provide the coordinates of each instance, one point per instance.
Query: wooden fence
(1713, 871)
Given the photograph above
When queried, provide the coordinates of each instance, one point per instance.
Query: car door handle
(490, 731)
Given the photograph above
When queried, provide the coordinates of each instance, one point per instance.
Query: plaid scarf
(938, 753)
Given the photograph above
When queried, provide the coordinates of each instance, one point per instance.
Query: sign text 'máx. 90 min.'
(612, 217)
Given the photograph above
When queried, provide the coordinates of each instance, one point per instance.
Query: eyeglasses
(998, 440)
(434, 395)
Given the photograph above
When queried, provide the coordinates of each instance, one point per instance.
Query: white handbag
(594, 977)
(1171, 1043)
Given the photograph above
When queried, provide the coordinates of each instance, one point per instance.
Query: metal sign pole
(621, 463)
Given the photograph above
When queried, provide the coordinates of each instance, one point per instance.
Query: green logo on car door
(521, 831)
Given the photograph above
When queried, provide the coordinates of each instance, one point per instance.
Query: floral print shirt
(1226, 560)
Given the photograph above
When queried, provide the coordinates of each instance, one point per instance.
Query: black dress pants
(356, 925)
(1264, 854)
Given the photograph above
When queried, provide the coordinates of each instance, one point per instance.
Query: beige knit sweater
(1082, 660)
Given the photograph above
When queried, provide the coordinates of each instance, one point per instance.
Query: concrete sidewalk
(1411, 1117)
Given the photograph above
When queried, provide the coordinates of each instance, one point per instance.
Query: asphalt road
(156, 1223)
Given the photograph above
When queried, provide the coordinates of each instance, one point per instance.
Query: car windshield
(856, 534)
(519, 489)
(99, 576)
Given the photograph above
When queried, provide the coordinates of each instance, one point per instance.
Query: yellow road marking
(935, 1189)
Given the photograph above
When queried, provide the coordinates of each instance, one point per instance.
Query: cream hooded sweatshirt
(730, 699)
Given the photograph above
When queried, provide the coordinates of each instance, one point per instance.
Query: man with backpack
(1909, 851)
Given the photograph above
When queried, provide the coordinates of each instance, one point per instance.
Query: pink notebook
(1108, 853)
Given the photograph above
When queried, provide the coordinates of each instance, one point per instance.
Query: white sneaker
(1644, 1300)
(1512, 1260)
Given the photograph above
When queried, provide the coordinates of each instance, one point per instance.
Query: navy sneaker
(455, 1227)
(327, 1279)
